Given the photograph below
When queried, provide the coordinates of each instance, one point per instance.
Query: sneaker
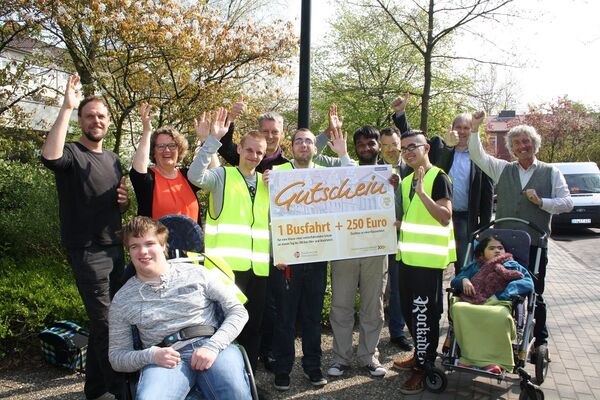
(315, 376)
(405, 364)
(282, 382)
(402, 342)
(269, 362)
(375, 369)
(414, 384)
(337, 369)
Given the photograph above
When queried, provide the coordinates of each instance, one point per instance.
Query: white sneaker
(375, 369)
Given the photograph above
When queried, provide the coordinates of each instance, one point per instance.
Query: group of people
(444, 192)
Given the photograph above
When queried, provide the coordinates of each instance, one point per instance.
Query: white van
(583, 179)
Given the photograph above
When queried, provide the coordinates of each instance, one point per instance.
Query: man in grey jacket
(173, 308)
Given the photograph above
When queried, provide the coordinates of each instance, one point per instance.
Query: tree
(490, 93)
(570, 131)
(182, 57)
(429, 25)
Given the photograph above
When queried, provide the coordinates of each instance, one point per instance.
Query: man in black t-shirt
(426, 247)
(92, 194)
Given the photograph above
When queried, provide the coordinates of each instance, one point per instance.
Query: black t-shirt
(87, 195)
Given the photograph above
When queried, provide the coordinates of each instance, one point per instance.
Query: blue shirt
(460, 174)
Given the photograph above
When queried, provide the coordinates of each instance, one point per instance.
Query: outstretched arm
(491, 166)
(142, 153)
(399, 116)
(53, 147)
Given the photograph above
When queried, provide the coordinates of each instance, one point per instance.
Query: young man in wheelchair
(173, 308)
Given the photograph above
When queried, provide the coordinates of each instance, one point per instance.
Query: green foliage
(28, 211)
(33, 293)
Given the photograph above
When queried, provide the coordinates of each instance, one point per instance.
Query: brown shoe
(414, 384)
(405, 364)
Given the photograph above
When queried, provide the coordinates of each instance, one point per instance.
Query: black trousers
(255, 289)
(98, 271)
(540, 331)
(421, 300)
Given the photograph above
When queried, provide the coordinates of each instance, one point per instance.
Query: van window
(583, 183)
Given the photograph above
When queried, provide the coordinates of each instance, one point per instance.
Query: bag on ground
(64, 343)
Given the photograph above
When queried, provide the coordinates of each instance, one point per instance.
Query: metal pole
(304, 85)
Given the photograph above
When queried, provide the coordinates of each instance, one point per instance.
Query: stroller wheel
(436, 381)
(541, 364)
(531, 394)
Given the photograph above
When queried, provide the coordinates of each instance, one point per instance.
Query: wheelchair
(186, 244)
(518, 243)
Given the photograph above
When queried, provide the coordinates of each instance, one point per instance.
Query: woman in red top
(163, 189)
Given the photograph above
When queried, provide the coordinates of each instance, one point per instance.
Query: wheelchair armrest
(452, 290)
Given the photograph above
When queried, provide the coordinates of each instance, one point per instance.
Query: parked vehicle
(583, 179)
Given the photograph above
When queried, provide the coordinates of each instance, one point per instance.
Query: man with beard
(92, 194)
(368, 275)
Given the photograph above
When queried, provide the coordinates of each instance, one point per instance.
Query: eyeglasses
(163, 146)
(411, 148)
(306, 141)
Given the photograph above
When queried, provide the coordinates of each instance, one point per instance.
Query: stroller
(185, 244)
(518, 243)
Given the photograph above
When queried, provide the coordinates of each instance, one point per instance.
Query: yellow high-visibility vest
(240, 233)
(423, 241)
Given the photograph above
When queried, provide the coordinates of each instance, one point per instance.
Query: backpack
(64, 343)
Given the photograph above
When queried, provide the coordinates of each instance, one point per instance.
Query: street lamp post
(304, 84)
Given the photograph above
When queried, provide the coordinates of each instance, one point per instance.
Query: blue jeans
(226, 379)
(304, 292)
(396, 323)
(460, 219)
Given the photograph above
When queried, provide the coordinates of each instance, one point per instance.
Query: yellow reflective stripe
(425, 248)
(436, 230)
(236, 252)
(236, 230)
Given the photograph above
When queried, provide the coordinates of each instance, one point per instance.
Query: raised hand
(335, 121)
(451, 138)
(146, 117)
(399, 104)
(238, 109)
(202, 126)
(72, 94)
(337, 142)
(477, 120)
(220, 123)
(419, 173)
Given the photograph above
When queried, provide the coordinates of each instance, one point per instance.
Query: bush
(28, 210)
(33, 293)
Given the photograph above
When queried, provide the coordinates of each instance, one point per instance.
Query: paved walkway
(573, 297)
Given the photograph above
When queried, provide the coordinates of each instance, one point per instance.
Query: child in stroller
(485, 333)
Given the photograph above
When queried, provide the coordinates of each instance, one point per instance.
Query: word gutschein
(292, 195)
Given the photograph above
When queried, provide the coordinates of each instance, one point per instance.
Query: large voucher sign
(323, 214)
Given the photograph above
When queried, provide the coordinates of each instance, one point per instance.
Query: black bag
(64, 343)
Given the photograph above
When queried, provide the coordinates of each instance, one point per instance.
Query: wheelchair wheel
(541, 364)
(435, 381)
(249, 373)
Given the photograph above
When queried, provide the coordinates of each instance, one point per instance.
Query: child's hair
(480, 248)
(140, 226)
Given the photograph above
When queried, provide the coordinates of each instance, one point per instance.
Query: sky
(557, 42)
